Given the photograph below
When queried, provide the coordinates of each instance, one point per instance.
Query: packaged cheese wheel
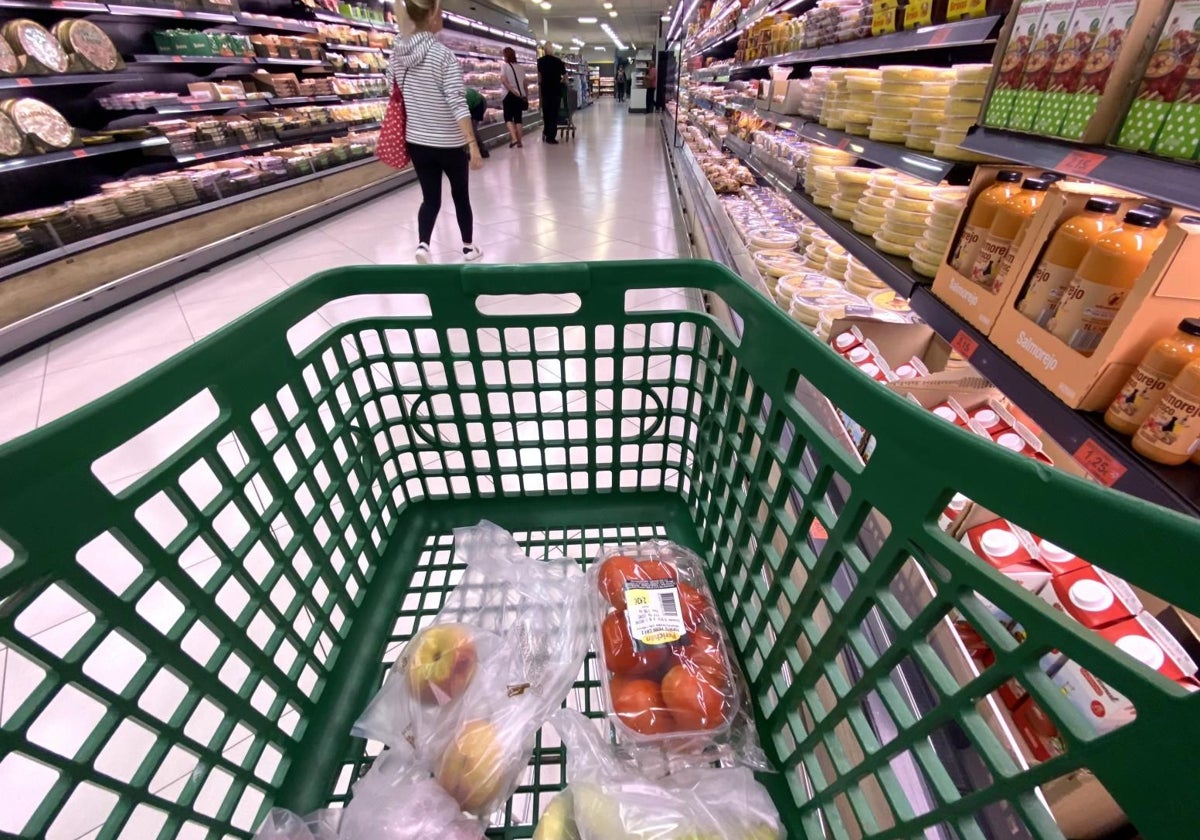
(778, 263)
(883, 136)
(909, 73)
(920, 206)
(842, 209)
(925, 269)
(866, 228)
(972, 72)
(892, 246)
(10, 65)
(928, 132)
(852, 175)
(935, 90)
(963, 107)
(902, 88)
(890, 301)
(11, 143)
(860, 289)
(892, 101)
(33, 41)
(968, 90)
(919, 143)
(40, 123)
(900, 232)
(934, 114)
(772, 239)
(912, 188)
(890, 123)
(89, 42)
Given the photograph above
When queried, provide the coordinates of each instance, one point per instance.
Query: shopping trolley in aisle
(566, 125)
(206, 573)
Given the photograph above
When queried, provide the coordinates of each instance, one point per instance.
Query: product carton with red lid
(1092, 597)
(845, 342)
(1001, 544)
(1037, 731)
(1142, 638)
(1057, 559)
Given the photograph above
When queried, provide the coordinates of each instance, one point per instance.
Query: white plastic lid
(946, 413)
(1091, 595)
(845, 340)
(1143, 649)
(859, 354)
(1011, 440)
(999, 542)
(986, 418)
(906, 372)
(1054, 553)
(869, 368)
(958, 502)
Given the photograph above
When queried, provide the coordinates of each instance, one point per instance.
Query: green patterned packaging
(1160, 115)
(1012, 63)
(1067, 71)
(1098, 67)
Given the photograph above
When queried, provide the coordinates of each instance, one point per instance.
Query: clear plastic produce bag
(397, 801)
(282, 824)
(609, 800)
(669, 684)
(468, 693)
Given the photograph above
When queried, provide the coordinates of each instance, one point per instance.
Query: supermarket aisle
(603, 196)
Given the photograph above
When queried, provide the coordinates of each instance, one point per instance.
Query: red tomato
(639, 705)
(659, 570)
(620, 655)
(702, 652)
(696, 608)
(614, 572)
(694, 699)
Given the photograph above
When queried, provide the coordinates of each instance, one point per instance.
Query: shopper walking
(441, 139)
(619, 84)
(477, 106)
(516, 102)
(552, 74)
(651, 87)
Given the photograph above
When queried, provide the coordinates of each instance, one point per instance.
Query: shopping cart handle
(526, 279)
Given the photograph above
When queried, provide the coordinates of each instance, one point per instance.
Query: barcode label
(653, 612)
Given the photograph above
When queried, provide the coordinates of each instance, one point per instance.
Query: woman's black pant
(431, 163)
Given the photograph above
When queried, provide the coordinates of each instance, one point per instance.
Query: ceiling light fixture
(612, 36)
(557, 46)
(665, 18)
(682, 18)
(587, 20)
(607, 5)
(545, 7)
(599, 48)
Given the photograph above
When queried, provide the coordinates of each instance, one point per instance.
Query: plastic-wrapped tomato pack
(668, 678)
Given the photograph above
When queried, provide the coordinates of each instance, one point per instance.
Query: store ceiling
(637, 22)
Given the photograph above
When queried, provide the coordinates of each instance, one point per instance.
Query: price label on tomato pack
(1099, 463)
(964, 344)
(1080, 163)
(653, 612)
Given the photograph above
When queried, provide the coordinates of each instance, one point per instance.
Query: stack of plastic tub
(930, 251)
(869, 215)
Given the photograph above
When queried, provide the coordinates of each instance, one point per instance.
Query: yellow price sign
(637, 598)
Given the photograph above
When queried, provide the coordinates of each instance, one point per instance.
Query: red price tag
(1080, 163)
(245, 147)
(199, 156)
(195, 107)
(24, 82)
(1099, 464)
(176, 13)
(964, 344)
(843, 143)
(939, 37)
(178, 59)
(79, 153)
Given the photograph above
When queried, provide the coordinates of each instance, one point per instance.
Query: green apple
(558, 820)
(441, 663)
(598, 815)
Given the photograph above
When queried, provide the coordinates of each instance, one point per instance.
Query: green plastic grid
(260, 565)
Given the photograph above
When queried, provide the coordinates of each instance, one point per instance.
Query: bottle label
(1174, 424)
(1140, 394)
(1045, 290)
(967, 247)
(1085, 313)
(986, 270)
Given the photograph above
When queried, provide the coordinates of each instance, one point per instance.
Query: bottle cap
(1156, 209)
(869, 368)
(999, 542)
(1091, 595)
(859, 354)
(946, 413)
(1055, 553)
(1142, 218)
(845, 340)
(1011, 440)
(1143, 649)
(986, 418)
(1102, 205)
(1036, 184)
(906, 372)
(1009, 176)
(958, 502)
(1191, 326)
(1051, 176)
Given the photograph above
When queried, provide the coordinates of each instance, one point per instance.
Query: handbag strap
(516, 79)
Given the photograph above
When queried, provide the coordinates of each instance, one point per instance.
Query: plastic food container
(963, 107)
(772, 239)
(919, 143)
(910, 73)
(778, 263)
(892, 246)
(667, 674)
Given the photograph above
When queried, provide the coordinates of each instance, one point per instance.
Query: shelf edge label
(964, 344)
(1099, 464)
(1079, 162)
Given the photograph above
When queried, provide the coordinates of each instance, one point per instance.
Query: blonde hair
(420, 11)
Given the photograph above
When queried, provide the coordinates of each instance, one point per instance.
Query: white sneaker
(422, 256)
(471, 253)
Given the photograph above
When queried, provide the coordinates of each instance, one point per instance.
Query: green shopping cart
(205, 573)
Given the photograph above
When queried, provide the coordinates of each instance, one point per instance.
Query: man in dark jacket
(552, 74)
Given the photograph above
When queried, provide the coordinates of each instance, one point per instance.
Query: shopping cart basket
(566, 125)
(204, 573)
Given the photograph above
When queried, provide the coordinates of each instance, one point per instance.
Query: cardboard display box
(1165, 293)
(786, 96)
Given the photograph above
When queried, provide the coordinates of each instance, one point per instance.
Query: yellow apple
(474, 768)
(441, 663)
(557, 822)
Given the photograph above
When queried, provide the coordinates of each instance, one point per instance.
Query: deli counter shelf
(1174, 182)
(901, 158)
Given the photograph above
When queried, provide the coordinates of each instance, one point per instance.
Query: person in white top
(516, 97)
(441, 140)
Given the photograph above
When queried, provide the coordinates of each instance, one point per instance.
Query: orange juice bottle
(1010, 216)
(1172, 431)
(1161, 364)
(1108, 271)
(979, 220)
(1063, 255)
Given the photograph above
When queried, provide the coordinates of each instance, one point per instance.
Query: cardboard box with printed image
(1085, 364)
(989, 264)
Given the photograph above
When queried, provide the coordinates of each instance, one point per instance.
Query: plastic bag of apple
(608, 800)
(469, 692)
(672, 691)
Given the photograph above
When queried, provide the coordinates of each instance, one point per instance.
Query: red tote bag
(393, 147)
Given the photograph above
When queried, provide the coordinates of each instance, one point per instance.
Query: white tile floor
(604, 196)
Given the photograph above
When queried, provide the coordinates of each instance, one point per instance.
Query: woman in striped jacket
(438, 127)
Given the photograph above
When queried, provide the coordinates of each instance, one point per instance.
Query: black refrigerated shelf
(902, 159)
(81, 6)
(155, 58)
(175, 14)
(1107, 456)
(256, 22)
(1175, 182)
(963, 33)
(13, 164)
(67, 79)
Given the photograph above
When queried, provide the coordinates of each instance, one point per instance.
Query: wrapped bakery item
(44, 128)
(88, 45)
(10, 65)
(36, 49)
(11, 142)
